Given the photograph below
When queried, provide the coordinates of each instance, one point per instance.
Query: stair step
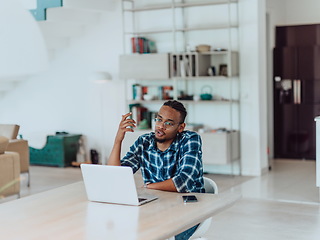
(52, 54)
(6, 86)
(65, 14)
(56, 42)
(98, 5)
(61, 29)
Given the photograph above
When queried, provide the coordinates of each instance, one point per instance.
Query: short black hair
(179, 107)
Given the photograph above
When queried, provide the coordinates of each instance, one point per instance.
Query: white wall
(29, 4)
(302, 12)
(63, 98)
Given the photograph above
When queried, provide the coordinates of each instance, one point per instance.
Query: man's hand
(166, 185)
(126, 125)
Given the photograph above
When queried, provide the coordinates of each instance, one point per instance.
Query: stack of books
(143, 45)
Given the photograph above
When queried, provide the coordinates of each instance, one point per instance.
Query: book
(133, 45)
(152, 46)
(182, 69)
(142, 45)
(167, 92)
(137, 92)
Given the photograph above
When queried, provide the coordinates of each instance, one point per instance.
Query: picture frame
(223, 70)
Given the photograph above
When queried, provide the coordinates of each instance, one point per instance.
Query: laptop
(112, 184)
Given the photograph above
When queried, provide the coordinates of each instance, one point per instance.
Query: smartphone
(130, 117)
(190, 198)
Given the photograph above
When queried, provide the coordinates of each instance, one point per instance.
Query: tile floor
(282, 204)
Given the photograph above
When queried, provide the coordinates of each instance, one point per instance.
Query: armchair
(20, 146)
(9, 170)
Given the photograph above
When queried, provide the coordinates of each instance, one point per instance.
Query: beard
(160, 140)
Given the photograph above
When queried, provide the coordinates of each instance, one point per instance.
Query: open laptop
(112, 184)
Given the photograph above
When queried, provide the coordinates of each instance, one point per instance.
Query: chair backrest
(210, 186)
(9, 130)
(3, 144)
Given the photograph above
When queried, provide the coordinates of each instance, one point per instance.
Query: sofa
(60, 150)
(9, 170)
(20, 146)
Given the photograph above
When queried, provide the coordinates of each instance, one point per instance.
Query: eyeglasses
(166, 124)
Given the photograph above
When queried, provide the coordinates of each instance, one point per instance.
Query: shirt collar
(173, 147)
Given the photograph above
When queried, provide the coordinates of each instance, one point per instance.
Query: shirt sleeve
(189, 175)
(131, 159)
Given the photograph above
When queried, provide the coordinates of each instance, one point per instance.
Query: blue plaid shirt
(182, 161)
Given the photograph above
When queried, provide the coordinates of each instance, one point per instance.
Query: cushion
(9, 130)
(3, 144)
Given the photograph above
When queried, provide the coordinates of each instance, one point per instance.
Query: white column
(317, 119)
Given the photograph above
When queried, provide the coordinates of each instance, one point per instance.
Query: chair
(20, 146)
(211, 187)
(9, 170)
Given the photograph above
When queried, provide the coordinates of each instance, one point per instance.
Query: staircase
(63, 21)
(62, 24)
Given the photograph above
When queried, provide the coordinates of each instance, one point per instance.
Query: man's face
(167, 124)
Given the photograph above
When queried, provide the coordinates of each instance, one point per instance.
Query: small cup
(147, 97)
(211, 71)
(196, 97)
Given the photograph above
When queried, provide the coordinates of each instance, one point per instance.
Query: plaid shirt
(182, 161)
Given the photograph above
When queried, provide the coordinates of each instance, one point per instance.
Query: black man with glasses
(170, 158)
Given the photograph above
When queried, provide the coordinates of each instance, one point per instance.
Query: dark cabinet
(299, 35)
(296, 91)
(295, 131)
(297, 62)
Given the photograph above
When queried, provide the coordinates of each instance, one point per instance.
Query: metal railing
(40, 13)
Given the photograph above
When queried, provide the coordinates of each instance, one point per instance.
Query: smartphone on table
(189, 198)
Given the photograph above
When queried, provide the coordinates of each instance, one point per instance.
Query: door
(285, 111)
(296, 101)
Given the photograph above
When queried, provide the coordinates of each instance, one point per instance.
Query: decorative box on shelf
(145, 66)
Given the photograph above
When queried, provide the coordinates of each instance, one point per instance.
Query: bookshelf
(176, 29)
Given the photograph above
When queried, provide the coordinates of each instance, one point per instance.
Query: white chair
(211, 187)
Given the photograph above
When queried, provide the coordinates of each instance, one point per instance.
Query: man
(170, 158)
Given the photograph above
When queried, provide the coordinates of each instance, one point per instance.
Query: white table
(65, 213)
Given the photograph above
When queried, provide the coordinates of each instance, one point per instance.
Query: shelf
(144, 66)
(200, 78)
(200, 28)
(196, 64)
(180, 5)
(217, 52)
(208, 101)
(183, 101)
(146, 102)
(186, 73)
(204, 3)
(149, 32)
(224, 52)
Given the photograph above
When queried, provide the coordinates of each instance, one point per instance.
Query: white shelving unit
(177, 27)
